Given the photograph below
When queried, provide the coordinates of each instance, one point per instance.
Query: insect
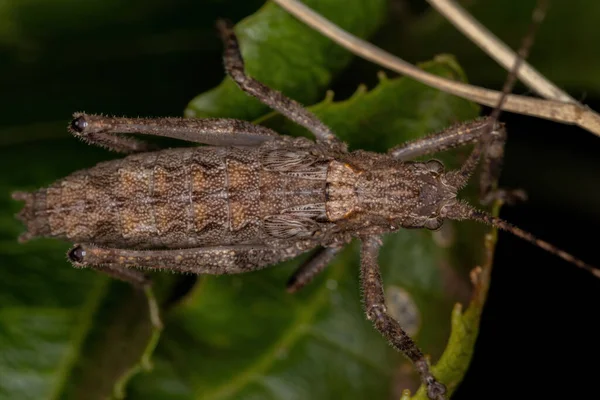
(256, 198)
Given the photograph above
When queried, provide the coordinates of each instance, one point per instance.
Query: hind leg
(234, 65)
(106, 131)
(311, 268)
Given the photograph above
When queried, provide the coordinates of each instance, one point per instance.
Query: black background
(539, 330)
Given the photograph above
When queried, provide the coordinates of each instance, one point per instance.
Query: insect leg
(460, 135)
(214, 260)
(234, 65)
(107, 140)
(490, 147)
(493, 145)
(491, 166)
(456, 136)
(103, 131)
(375, 308)
(459, 179)
(307, 271)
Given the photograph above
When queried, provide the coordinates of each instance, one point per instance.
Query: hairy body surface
(290, 195)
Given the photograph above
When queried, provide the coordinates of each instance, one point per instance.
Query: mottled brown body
(175, 198)
(279, 194)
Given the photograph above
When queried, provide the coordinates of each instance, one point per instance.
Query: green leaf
(286, 55)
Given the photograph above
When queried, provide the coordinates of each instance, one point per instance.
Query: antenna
(464, 211)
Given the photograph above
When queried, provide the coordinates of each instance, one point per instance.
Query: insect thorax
(375, 190)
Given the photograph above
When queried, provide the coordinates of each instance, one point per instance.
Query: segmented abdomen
(177, 198)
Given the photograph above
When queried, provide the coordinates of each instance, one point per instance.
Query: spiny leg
(311, 268)
(234, 65)
(107, 140)
(488, 135)
(375, 308)
(463, 134)
(490, 146)
(491, 167)
(213, 260)
(136, 278)
(456, 136)
(460, 135)
(103, 131)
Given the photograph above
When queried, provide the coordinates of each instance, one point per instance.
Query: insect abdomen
(172, 198)
(178, 198)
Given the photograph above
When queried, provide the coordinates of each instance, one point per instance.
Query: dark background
(539, 328)
(538, 336)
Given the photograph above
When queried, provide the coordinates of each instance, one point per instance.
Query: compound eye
(76, 254)
(79, 124)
